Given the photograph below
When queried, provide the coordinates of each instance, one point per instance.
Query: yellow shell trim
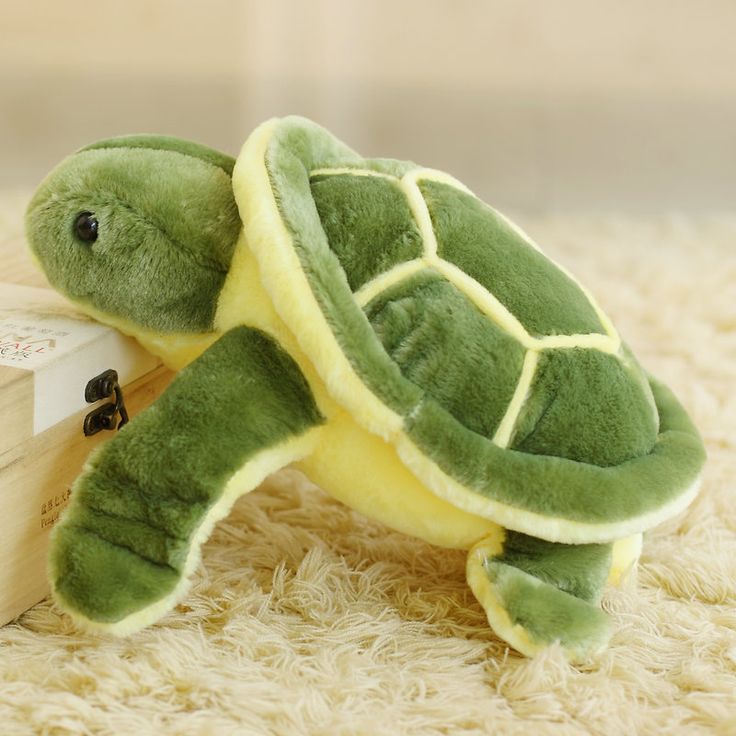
(553, 529)
(286, 284)
(505, 430)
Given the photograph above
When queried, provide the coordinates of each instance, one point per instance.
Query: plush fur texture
(124, 540)
(433, 361)
(167, 228)
(578, 569)
(455, 462)
(535, 592)
(443, 344)
(368, 224)
(603, 498)
(475, 238)
(307, 617)
(547, 614)
(365, 472)
(588, 406)
(171, 144)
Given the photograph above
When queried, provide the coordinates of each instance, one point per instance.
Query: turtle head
(138, 231)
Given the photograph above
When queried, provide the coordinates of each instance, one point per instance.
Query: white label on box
(40, 332)
(30, 339)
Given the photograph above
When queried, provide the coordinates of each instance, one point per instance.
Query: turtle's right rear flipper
(536, 593)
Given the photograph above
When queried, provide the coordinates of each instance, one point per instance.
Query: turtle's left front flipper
(536, 593)
(150, 497)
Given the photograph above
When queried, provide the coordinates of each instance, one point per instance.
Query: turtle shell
(443, 328)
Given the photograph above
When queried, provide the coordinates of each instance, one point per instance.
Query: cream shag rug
(307, 618)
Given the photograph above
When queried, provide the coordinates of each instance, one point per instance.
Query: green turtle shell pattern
(504, 370)
(468, 347)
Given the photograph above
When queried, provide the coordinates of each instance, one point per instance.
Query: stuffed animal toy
(374, 323)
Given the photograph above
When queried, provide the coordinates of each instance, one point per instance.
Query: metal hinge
(104, 417)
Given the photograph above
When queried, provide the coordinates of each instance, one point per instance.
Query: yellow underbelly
(364, 472)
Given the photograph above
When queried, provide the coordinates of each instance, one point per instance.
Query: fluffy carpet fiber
(307, 618)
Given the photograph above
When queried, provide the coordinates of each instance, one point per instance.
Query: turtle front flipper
(536, 592)
(149, 498)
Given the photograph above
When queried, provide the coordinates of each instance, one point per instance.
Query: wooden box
(48, 354)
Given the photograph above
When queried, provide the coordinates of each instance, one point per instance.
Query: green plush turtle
(375, 323)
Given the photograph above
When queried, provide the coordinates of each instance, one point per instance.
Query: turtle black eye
(85, 227)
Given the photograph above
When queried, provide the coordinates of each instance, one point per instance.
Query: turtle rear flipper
(536, 592)
(122, 553)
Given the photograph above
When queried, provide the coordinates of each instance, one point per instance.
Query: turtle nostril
(85, 227)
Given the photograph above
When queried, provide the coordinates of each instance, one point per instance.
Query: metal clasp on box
(104, 417)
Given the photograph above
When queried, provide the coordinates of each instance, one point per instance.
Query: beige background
(541, 106)
(307, 618)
